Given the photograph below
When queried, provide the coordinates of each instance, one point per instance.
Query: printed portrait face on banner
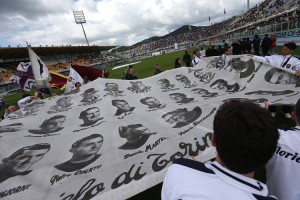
(151, 102)
(204, 77)
(182, 117)
(84, 152)
(11, 127)
(204, 92)
(111, 87)
(33, 107)
(50, 125)
(278, 76)
(223, 85)
(90, 116)
(244, 68)
(180, 98)
(135, 134)
(21, 161)
(218, 63)
(64, 101)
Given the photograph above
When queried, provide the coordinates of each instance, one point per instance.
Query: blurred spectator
(177, 62)
(157, 69)
(197, 57)
(266, 44)
(256, 44)
(273, 44)
(187, 58)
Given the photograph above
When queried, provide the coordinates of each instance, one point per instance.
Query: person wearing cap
(286, 61)
(135, 134)
(283, 171)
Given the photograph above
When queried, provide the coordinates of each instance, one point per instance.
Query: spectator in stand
(273, 44)
(256, 43)
(131, 74)
(157, 69)
(266, 44)
(283, 172)
(197, 57)
(285, 60)
(187, 58)
(177, 62)
(214, 52)
(245, 137)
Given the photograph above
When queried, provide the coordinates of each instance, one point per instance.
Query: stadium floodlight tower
(248, 5)
(80, 19)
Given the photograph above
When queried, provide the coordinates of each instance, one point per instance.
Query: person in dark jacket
(256, 43)
(187, 58)
(266, 44)
(177, 62)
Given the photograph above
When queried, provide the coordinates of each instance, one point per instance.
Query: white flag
(74, 77)
(39, 69)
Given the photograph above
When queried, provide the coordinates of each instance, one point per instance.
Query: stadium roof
(21, 52)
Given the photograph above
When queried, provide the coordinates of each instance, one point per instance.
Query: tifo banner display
(116, 138)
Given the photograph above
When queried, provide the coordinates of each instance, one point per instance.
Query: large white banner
(116, 138)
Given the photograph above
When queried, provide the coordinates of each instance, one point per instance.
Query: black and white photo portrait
(123, 107)
(259, 100)
(180, 98)
(182, 117)
(185, 81)
(281, 77)
(204, 77)
(204, 93)
(20, 162)
(84, 152)
(62, 104)
(217, 62)
(113, 89)
(138, 87)
(89, 97)
(245, 68)
(222, 85)
(33, 107)
(90, 116)
(135, 134)
(152, 103)
(11, 127)
(50, 125)
(165, 84)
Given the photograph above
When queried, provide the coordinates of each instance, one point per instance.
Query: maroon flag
(90, 72)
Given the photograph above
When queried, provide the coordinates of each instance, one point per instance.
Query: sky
(108, 22)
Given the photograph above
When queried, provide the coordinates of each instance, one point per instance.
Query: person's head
(177, 61)
(87, 146)
(11, 109)
(11, 127)
(77, 85)
(173, 117)
(112, 86)
(53, 123)
(182, 78)
(177, 96)
(24, 158)
(85, 79)
(34, 105)
(266, 35)
(288, 48)
(245, 136)
(256, 36)
(196, 53)
(219, 84)
(133, 132)
(278, 76)
(90, 115)
(227, 50)
(164, 82)
(150, 101)
(157, 66)
(121, 104)
(64, 101)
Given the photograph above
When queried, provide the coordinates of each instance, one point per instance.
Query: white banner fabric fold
(115, 138)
